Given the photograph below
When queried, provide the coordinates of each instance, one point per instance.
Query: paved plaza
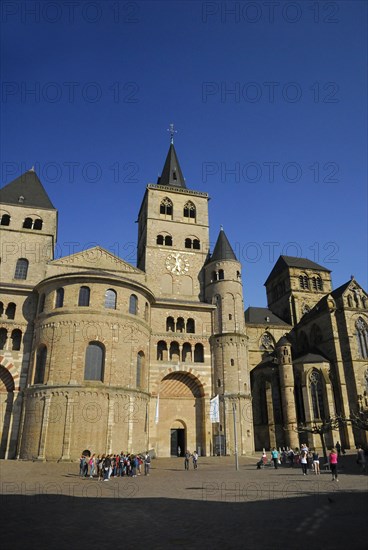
(47, 505)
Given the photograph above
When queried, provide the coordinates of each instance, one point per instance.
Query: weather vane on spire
(172, 132)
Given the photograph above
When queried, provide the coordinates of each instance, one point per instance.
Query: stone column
(44, 427)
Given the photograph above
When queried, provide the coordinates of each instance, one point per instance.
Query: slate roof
(258, 315)
(290, 261)
(311, 358)
(30, 188)
(171, 174)
(222, 250)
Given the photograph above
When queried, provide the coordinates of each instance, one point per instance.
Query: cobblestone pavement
(47, 505)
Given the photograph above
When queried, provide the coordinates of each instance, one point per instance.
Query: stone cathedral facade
(100, 354)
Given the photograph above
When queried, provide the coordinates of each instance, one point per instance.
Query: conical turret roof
(222, 250)
(171, 173)
(26, 190)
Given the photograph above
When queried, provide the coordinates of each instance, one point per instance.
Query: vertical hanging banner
(215, 409)
(157, 409)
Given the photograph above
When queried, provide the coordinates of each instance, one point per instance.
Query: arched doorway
(181, 414)
(6, 407)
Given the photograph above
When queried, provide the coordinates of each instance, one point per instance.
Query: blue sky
(269, 102)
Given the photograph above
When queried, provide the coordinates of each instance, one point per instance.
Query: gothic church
(100, 354)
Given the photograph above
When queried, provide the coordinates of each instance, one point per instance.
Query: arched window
(95, 362)
(170, 324)
(59, 299)
(168, 240)
(362, 338)
(133, 304)
(110, 299)
(174, 351)
(319, 283)
(27, 224)
(180, 324)
(3, 337)
(21, 269)
(186, 353)
(188, 243)
(191, 326)
(314, 283)
(40, 365)
(198, 353)
(140, 369)
(84, 296)
(16, 337)
(166, 207)
(189, 211)
(196, 244)
(10, 310)
(303, 282)
(221, 274)
(160, 239)
(317, 390)
(161, 351)
(41, 303)
(214, 276)
(5, 219)
(38, 224)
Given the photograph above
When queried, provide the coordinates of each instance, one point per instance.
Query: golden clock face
(177, 264)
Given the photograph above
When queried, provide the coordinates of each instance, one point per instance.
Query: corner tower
(173, 234)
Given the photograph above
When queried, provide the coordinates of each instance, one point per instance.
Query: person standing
(275, 457)
(338, 448)
(179, 451)
(361, 458)
(333, 464)
(304, 462)
(147, 463)
(186, 459)
(316, 462)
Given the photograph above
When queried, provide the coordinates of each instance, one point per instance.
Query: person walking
(304, 461)
(195, 460)
(361, 458)
(186, 459)
(333, 464)
(275, 457)
(147, 464)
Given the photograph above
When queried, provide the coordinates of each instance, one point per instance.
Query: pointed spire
(27, 190)
(223, 250)
(171, 173)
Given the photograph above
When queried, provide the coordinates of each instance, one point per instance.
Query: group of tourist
(106, 466)
(187, 457)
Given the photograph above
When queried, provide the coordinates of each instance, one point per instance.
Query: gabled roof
(222, 250)
(26, 190)
(311, 358)
(290, 261)
(259, 316)
(171, 174)
(98, 259)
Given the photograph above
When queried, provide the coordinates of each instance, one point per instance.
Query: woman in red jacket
(333, 464)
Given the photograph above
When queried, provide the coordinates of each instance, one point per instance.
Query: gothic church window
(189, 211)
(110, 299)
(95, 362)
(317, 391)
(166, 207)
(84, 296)
(40, 365)
(362, 338)
(21, 269)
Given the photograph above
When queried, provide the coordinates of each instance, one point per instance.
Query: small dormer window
(21, 199)
(267, 319)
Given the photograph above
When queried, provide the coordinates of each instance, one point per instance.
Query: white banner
(215, 409)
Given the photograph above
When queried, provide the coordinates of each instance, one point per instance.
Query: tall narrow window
(84, 296)
(316, 389)
(40, 365)
(170, 324)
(362, 338)
(221, 274)
(110, 299)
(146, 312)
(180, 324)
(191, 326)
(196, 244)
(95, 362)
(198, 353)
(1, 309)
(161, 351)
(133, 304)
(319, 284)
(21, 269)
(188, 243)
(160, 239)
(3, 337)
(41, 303)
(5, 219)
(189, 211)
(10, 310)
(303, 282)
(59, 300)
(140, 369)
(16, 337)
